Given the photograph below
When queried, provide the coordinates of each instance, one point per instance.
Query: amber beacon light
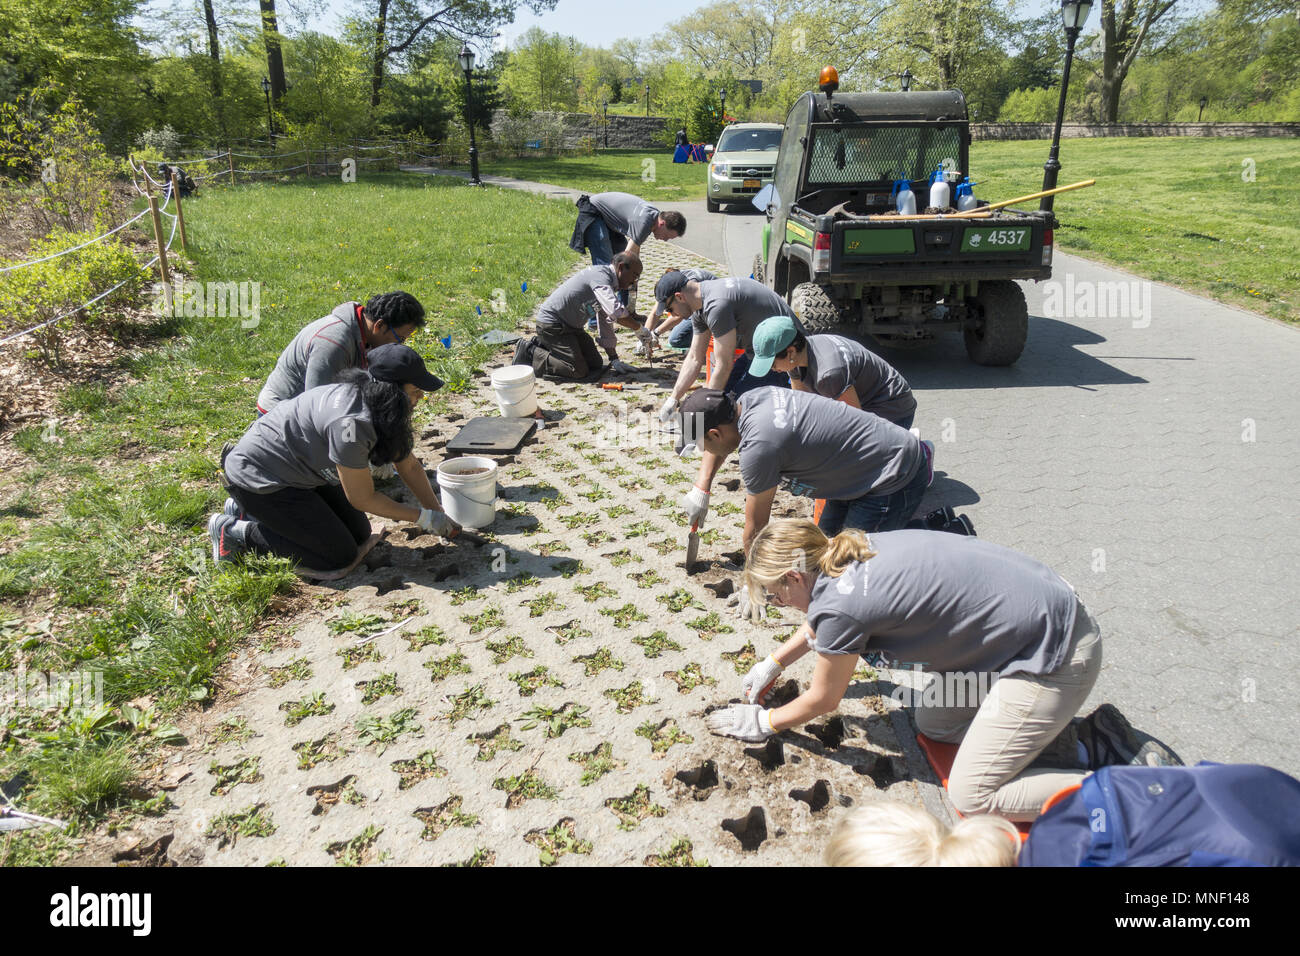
(829, 80)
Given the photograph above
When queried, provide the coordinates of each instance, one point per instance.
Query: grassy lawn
(1175, 210)
(608, 170)
(106, 565)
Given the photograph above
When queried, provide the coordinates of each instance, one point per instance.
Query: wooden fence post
(231, 157)
(162, 245)
(180, 216)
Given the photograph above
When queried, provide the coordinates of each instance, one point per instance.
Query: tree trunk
(377, 74)
(214, 53)
(274, 58)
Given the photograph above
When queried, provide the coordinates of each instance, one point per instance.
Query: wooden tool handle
(1012, 202)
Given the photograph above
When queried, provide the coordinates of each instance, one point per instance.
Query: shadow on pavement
(1050, 359)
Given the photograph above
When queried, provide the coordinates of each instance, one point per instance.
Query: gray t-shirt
(948, 603)
(821, 448)
(300, 442)
(574, 301)
(740, 304)
(626, 214)
(835, 363)
(316, 356)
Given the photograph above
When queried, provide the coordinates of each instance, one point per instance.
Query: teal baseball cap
(772, 337)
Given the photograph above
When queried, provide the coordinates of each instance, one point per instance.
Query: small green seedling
(313, 705)
(655, 644)
(596, 763)
(438, 820)
(420, 767)
(634, 808)
(557, 720)
(228, 827)
(557, 841)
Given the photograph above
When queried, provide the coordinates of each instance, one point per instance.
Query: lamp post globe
(1074, 14)
(906, 79)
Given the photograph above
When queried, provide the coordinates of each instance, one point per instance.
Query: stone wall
(1081, 130)
(625, 132)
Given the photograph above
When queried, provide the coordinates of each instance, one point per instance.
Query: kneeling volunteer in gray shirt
(339, 341)
(280, 476)
(1013, 650)
(872, 474)
(834, 367)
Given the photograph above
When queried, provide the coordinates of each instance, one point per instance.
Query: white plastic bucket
(516, 389)
(469, 490)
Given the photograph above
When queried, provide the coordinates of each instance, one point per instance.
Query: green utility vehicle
(837, 250)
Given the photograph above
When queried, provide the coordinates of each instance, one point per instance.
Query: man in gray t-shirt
(562, 348)
(725, 313)
(836, 367)
(872, 474)
(946, 603)
(339, 341)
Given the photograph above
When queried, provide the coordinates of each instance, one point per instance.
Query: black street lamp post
(466, 59)
(906, 79)
(1074, 13)
(1204, 101)
(647, 99)
(270, 130)
(722, 94)
(605, 105)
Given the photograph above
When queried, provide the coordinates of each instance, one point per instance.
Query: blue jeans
(879, 512)
(682, 334)
(740, 381)
(598, 243)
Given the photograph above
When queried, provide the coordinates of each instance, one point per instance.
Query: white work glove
(437, 522)
(748, 722)
(383, 472)
(743, 607)
(647, 338)
(620, 368)
(762, 677)
(668, 409)
(689, 450)
(696, 504)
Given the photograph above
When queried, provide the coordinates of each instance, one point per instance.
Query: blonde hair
(888, 833)
(795, 544)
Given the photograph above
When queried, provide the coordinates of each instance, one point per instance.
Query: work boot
(960, 525)
(524, 351)
(227, 538)
(231, 508)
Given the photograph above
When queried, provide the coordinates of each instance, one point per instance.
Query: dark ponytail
(390, 413)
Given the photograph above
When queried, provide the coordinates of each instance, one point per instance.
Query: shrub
(39, 293)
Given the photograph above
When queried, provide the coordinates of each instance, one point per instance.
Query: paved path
(1150, 457)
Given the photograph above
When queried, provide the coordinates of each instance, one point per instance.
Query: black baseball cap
(669, 284)
(704, 409)
(401, 365)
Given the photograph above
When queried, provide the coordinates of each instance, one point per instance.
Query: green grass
(1170, 209)
(611, 170)
(104, 529)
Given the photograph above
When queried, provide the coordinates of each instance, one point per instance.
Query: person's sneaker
(231, 508)
(937, 519)
(226, 544)
(1108, 738)
(960, 525)
(1153, 753)
(929, 462)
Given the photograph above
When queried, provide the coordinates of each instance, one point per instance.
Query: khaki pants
(1021, 715)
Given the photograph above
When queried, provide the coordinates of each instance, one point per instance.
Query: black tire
(996, 332)
(712, 206)
(815, 309)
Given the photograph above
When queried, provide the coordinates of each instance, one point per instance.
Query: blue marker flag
(446, 343)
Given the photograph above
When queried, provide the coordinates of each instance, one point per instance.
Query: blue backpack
(1207, 815)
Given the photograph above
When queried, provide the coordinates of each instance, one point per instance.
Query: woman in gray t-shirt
(299, 479)
(1009, 651)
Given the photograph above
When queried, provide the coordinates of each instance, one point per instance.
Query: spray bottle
(939, 192)
(904, 198)
(966, 196)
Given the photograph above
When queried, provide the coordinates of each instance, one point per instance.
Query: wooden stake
(162, 245)
(180, 216)
(230, 157)
(308, 162)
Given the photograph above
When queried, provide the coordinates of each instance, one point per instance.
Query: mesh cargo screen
(868, 154)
